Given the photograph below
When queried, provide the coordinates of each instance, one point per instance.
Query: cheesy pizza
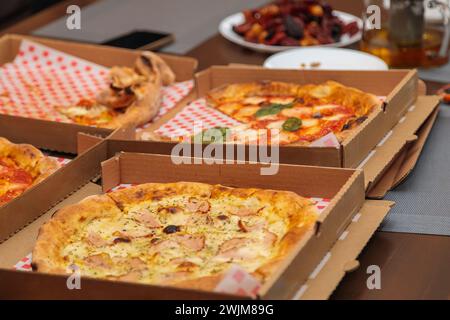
(300, 114)
(21, 166)
(180, 234)
(132, 98)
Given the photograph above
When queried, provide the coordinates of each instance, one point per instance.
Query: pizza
(21, 166)
(132, 98)
(296, 114)
(180, 234)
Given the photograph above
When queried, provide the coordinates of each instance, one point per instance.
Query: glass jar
(407, 33)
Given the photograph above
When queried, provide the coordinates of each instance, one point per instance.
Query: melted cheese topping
(76, 111)
(94, 114)
(178, 238)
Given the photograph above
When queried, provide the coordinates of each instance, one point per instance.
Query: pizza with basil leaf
(300, 114)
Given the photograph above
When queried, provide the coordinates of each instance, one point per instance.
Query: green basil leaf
(292, 124)
(271, 109)
(212, 135)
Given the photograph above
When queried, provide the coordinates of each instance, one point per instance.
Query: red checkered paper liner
(196, 112)
(40, 78)
(238, 281)
(25, 263)
(328, 140)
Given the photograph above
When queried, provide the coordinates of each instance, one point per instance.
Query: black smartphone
(150, 40)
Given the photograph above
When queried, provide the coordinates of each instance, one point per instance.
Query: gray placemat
(423, 200)
(191, 21)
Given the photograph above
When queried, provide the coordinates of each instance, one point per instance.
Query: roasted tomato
(294, 23)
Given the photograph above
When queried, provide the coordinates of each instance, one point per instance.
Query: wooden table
(412, 266)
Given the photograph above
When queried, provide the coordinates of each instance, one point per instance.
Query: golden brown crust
(133, 97)
(238, 91)
(154, 191)
(299, 213)
(29, 158)
(148, 62)
(141, 111)
(362, 102)
(64, 223)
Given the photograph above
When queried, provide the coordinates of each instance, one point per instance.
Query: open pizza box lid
(59, 136)
(396, 155)
(351, 219)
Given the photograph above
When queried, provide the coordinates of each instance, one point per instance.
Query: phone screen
(137, 39)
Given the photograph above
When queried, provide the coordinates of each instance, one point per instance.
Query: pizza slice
(21, 166)
(133, 96)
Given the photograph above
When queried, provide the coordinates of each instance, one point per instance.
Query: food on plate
(21, 166)
(181, 234)
(301, 113)
(294, 23)
(133, 95)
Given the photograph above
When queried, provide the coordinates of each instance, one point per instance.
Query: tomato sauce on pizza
(300, 113)
(21, 167)
(13, 180)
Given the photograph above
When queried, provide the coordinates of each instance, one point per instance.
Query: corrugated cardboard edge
(380, 166)
(367, 135)
(328, 226)
(342, 258)
(405, 162)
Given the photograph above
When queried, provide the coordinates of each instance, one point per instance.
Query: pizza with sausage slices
(21, 166)
(180, 234)
(300, 114)
(132, 98)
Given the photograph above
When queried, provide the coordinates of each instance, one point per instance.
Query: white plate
(226, 30)
(329, 59)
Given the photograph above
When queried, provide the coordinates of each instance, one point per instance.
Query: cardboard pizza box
(22, 210)
(345, 188)
(57, 136)
(385, 166)
(399, 89)
(395, 156)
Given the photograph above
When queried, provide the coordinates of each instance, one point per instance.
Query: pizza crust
(299, 213)
(238, 91)
(29, 158)
(148, 101)
(133, 97)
